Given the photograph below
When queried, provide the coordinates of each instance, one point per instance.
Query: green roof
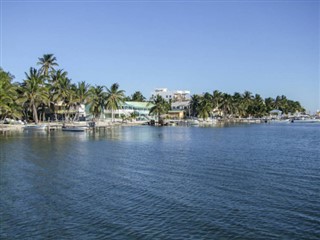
(140, 105)
(175, 111)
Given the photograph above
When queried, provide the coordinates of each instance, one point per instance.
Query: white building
(177, 95)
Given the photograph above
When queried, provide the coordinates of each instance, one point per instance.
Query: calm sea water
(238, 182)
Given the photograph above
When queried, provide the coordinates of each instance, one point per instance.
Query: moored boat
(305, 120)
(42, 127)
(74, 129)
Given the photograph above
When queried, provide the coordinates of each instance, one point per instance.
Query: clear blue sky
(266, 47)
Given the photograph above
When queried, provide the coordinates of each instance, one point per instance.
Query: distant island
(47, 93)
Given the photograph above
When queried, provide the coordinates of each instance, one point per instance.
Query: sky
(266, 47)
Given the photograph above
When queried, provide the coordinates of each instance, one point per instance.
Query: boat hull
(35, 128)
(74, 129)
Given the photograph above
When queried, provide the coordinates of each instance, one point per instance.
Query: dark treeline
(48, 92)
(240, 105)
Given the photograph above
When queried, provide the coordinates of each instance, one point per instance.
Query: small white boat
(193, 122)
(42, 127)
(74, 129)
(305, 120)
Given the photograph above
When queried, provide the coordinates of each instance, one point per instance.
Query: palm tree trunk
(35, 114)
(112, 117)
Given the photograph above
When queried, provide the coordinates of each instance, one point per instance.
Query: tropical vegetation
(47, 93)
(239, 105)
(160, 106)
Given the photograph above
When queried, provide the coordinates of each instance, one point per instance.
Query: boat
(41, 127)
(74, 129)
(193, 122)
(305, 120)
(279, 120)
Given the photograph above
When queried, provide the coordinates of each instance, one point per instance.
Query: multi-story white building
(176, 95)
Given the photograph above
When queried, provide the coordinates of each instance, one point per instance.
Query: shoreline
(108, 124)
(4, 128)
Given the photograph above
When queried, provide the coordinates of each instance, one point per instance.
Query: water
(239, 182)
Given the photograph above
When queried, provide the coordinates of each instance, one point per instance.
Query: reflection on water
(243, 181)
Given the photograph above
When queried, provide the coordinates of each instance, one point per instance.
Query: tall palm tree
(115, 98)
(82, 92)
(81, 96)
(227, 104)
(247, 100)
(34, 92)
(205, 106)
(270, 104)
(239, 109)
(97, 98)
(57, 82)
(47, 62)
(217, 99)
(160, 106)
(63, 93)
(258, 107)
(57, 74)
(8, 96)
(194, 104)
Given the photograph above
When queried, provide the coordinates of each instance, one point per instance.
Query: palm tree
(57, 83)
(137, 96)
(194, 105)
(115, 98)
(246, 100)
(61, 93)
(8, 96)
(97, 99)
(238, 105)
(34, 92)
(47, 62)
(270, 104)
(217, 99)
(57, 74)
(258, 107)
(227, 104)
(205, 106)
(160, 106)
(81, 94)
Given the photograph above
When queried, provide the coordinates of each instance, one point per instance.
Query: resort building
(176, 114)
(176, 95)
(62, 111)
(183, 105)
(141, 109)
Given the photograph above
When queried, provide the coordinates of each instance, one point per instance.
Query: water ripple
(245, 182)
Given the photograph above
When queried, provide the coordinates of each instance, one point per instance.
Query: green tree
(160, 106)
(227, 104)
(58, 80)
(8, 96)
(138, 97)
(115, 98)
(97, 100)
(238, 105)
(205, 106)
(34, 92)
(246, 101)
(217, 97)
(194, 105)
(62, 93)
(270, 104)
(82, 92)
(257, 108)
(47, 62)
